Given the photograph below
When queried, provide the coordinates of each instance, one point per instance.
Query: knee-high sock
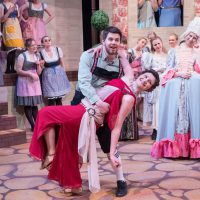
(34, 112)
(51, 102)
(11, 61)
(29, 116)
(118, 170)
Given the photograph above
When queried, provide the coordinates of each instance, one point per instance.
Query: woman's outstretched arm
(125, 108)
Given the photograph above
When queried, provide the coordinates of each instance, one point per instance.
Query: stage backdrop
(123, 14)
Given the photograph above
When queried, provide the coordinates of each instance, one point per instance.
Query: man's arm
(85, 78)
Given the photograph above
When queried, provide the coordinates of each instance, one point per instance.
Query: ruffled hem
(194, 148)
(182, 146)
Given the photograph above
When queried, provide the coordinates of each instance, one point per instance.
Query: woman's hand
(115, 161)
(97, 51)
(11, 9)
(122, 53)
(33, 76)
(185, 75)
(161, 70)
(41, 63)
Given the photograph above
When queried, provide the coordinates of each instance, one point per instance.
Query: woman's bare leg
(125, 108)
(50, 141)
(49, 137)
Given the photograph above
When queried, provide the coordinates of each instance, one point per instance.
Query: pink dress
(35, 26)
(28, 90)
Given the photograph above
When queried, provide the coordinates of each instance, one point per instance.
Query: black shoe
(8, 72)
(154, 134)
(13, 71)
(121, 189)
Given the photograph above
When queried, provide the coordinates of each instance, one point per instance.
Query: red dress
(66, 119)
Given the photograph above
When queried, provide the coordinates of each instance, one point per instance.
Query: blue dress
(170, 13)
(179, 109)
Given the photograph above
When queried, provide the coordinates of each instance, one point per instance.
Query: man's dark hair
(156, 76)
(111, 29)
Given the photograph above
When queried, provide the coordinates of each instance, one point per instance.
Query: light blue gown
(179, 111)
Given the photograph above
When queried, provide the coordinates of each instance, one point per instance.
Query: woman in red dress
(55, 138)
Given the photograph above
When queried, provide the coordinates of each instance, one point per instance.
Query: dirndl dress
(35, 26)
(28, 90)
(55, 83)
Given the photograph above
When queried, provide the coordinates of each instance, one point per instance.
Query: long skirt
(179, 116)
(65, 165)
(170, 17)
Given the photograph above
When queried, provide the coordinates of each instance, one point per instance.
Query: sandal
(77, 191)
(46, 163)
(74, 191)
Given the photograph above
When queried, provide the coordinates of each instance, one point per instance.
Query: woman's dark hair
(28, 42)
(111, 29)
(156, 76)
(42, 40)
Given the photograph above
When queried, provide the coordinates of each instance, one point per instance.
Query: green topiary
(100, 20)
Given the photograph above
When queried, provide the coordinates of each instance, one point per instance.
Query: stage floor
(147, 178)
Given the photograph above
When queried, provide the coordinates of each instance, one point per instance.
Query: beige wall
(66, 32)
(66, 29)
(106, 5)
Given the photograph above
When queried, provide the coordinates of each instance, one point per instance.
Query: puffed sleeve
(60, 52)
(171, 59)
(20, 61)
(45, 5)
(146, 60)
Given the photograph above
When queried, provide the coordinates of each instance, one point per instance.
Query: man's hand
(102, 106)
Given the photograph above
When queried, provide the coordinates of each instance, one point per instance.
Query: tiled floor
(147, 178)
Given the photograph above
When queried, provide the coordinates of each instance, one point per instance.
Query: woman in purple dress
(29, 92)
